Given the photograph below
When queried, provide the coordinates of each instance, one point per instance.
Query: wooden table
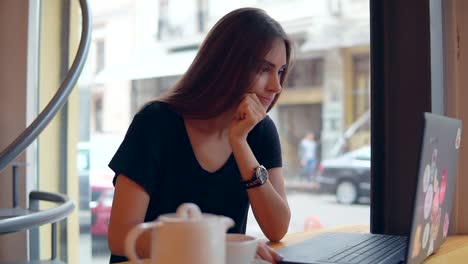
(453, 251)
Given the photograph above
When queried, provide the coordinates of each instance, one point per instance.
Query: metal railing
(34, 217)
(17, 219)
(60, 98)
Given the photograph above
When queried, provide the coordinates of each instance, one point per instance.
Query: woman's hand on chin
(249, 112)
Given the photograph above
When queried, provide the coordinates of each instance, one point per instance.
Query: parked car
(102, 194)
(347, 176)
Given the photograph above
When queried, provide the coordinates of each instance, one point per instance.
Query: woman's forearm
(270, 208)
(128, 210)
(117, 238)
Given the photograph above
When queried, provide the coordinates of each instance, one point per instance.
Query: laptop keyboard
(369, 250)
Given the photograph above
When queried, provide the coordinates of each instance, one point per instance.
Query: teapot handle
(228, 222)
(132, 236)
(189, 211)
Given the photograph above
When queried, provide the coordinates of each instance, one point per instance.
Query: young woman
(208, 140)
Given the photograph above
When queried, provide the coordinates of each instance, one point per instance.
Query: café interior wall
(13, 108)
(13, 47)
(456, 83)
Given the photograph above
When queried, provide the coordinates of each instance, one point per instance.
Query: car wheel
(346, 192)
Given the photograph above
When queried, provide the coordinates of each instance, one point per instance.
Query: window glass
(100, 55)
(322, 115)
(306, 73)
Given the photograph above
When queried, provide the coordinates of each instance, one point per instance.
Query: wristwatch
(259, 177)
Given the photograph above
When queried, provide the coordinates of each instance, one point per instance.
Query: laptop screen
(435, 187)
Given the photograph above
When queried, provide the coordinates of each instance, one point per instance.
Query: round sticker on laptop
(446, 225)
(443, 186)
(427, 177)
(425, 237)
(458, 139)
(417, 242)
(428, 201)
(435, 207)
(435, 225)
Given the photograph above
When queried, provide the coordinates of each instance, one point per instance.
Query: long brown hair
(227, 64)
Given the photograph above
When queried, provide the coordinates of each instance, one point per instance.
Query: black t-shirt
(156, 154)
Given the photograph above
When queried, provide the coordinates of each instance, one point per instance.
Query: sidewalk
(291, 184)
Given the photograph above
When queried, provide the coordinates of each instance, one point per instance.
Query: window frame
(401, 90)
(455, 35)
(400, 93)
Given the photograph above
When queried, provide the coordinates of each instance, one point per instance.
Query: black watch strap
(259, 177)
(253, 185)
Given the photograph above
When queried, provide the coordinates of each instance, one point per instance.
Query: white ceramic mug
(240, 249)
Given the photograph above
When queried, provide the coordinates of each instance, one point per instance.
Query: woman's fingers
(256, 102)
(267, 253)
(252, 107)
(247, 115)
(264, 253)
(276, 256)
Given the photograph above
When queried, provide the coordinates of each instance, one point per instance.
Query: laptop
(438, 167)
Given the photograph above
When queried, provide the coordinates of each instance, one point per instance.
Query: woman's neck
(218, 125)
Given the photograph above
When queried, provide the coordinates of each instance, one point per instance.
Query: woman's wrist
(236, 141)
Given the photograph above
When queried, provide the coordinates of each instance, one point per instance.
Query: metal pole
(15, 186)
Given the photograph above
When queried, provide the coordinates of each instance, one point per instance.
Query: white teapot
(188, 236)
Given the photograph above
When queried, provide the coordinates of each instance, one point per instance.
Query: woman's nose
(275, 84)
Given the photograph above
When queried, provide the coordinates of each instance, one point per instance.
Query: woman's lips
(266, 101)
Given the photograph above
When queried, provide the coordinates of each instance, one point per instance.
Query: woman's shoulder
(156, 115)
(156, 110)
(158, 118)
(264, 126)
(266, 122)
(154, 107)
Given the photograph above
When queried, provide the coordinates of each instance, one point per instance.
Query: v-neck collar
(186, 138)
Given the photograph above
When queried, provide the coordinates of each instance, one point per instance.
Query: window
(149, 88)
(335, 7)
(83, 159)
(100, 55)
(313, 109)
(98, 114)
(202, 6)
(179, 19)
(357, 95)
(361, 85)
(306, 73)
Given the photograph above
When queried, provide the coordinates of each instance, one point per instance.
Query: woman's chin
(265, 103)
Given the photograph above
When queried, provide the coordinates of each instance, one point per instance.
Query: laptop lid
(438, 168)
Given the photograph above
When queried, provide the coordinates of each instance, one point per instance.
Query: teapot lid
(191, 213)
(185, 212)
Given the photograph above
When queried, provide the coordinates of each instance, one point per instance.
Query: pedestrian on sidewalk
(308, 157)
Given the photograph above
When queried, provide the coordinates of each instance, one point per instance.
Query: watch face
(259, 178)
(262, 174)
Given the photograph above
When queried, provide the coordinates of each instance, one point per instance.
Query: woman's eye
(265, 69)
(280, 72)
